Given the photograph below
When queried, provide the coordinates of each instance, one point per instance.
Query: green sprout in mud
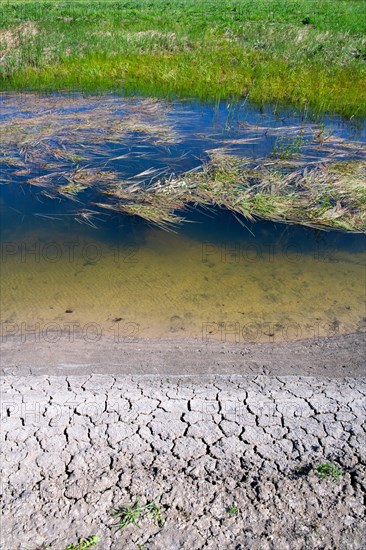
(328, 470)
(131, 515)
(233, 510)
(83, 544)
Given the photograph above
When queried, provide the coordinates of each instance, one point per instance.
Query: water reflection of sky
(241, 127)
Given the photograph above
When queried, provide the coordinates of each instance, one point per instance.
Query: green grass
(131, 515)
(328, 470)
(233, 510)
(296, 51)
(84, 544)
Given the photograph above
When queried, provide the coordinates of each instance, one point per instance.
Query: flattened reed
(56, 143)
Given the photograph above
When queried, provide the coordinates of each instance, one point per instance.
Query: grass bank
(295, 51)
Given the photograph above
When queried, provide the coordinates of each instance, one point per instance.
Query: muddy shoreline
(331, 356)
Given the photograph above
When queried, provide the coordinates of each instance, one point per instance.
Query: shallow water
(215, 278)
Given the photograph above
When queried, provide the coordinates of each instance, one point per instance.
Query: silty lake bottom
(69, 265)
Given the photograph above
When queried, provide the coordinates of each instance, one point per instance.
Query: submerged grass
(326, 196)
(295, 51)
(56, 144)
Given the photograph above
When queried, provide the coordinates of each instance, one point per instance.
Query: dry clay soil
(204, 427)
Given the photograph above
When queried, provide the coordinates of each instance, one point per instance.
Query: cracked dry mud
(75, 446)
